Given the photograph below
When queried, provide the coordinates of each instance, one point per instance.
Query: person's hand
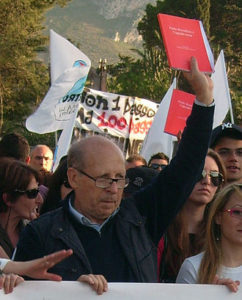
(97, 282)
(200, 82)
(9, 281)
(38, 268)
(232, 285)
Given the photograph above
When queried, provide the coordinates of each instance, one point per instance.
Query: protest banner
(124, 119)
(39, 290)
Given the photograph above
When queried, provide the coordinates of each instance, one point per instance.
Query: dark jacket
(141, 220)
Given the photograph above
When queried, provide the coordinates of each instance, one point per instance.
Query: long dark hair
(180, 245)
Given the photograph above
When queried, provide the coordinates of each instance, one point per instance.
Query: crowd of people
(100, 218)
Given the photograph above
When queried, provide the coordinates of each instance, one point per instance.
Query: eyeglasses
(157, 166)
(229, 152)
(234, 212)
(107, 182)
(216, 177)
(31, 194)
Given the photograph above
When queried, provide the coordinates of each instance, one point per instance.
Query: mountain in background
(100, 28)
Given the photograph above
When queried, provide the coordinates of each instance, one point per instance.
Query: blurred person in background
(135, 160)
(41, 159)
(59, 188)
(16, 146)
(158, 161)
(226, 140)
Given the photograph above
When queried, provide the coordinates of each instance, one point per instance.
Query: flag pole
(227, 90)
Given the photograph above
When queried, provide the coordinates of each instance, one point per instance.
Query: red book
(179, 110)
(184, 38)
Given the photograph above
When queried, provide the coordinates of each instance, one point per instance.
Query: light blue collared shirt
(85, 221)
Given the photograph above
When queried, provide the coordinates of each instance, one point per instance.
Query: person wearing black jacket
(115, 238)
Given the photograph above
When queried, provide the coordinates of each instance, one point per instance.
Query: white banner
(39, 290)
(69, 69)
(117, 116)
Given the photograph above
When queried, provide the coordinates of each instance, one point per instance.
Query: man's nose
(42, 161)
(113, 187)
(233, 155)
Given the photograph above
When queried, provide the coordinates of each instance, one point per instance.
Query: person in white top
(222, 258)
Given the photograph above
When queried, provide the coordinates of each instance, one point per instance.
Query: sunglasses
(157, 166)
(216, 177)
(234, 212)
(31, 194)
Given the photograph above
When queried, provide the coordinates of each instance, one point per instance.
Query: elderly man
(112, 237)
(41, 158)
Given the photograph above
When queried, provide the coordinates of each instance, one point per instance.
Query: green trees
(146, 77)
(222, 22)
(23, 78)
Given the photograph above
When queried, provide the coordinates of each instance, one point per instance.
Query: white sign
(47, 290)
(125, 119)
(117, 115)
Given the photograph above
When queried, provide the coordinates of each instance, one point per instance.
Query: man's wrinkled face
(230, 151)
(94, 202)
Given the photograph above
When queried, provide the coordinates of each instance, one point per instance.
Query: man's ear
(73, 178)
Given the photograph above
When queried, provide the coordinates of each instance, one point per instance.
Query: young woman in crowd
(186, 235)
(222, 257)
(19, 200)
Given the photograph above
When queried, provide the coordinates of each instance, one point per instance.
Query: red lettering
(102, 120)
(139, 127)
(122, 123)
(112, 121)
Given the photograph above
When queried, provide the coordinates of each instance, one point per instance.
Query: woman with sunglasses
(222, 257)
(185, 236)
(19, 200)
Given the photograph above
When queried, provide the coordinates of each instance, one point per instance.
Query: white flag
(221, 92)
(69, 70)
(64, 142)
(157, 140)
